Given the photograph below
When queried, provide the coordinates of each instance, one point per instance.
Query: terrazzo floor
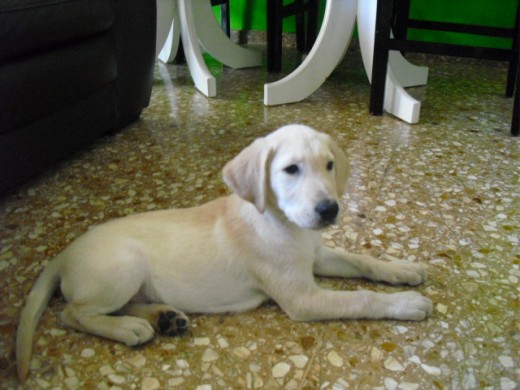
(444, 192)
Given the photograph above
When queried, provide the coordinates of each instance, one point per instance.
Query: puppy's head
(295, 170)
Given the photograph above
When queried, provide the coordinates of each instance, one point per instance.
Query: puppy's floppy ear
(247, 174)
(342, 168)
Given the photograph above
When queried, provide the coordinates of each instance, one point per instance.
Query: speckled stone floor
(444, 192)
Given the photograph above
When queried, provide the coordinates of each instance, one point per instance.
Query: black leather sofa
(70, 71)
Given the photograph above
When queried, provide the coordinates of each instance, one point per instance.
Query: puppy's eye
(292, 169)
(330, 165)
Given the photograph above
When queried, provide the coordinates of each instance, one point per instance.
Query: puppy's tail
(37, 300)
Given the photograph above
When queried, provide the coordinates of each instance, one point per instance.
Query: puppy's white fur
(231, 254)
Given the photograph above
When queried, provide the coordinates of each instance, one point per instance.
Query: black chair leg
(306, 15)
(274, 35)
(511, 76)
(380, 60)
(401, 14)
(300, 27)
(312, 25)
(515, 124)
(513, 64)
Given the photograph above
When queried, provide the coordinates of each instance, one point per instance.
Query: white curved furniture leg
(168, 30)
(217, 43)
(203, 79)
(328, 50)
(397, 101)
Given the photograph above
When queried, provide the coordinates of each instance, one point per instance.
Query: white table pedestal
(193, 22)
(330, 47)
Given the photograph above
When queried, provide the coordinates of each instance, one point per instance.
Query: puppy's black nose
(327, 210)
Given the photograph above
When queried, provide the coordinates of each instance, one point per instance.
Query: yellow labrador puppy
(136, 276)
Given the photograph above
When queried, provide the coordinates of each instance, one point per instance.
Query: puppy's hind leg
(164, 319)
(126, 329)
(96, 288)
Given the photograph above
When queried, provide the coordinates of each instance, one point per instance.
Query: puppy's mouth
(324, 224)
(319, 224)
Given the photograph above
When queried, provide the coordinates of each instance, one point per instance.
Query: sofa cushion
(32, 148)
(53, 22)
(33, 87)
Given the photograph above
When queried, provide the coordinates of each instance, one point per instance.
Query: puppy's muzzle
(328, 211)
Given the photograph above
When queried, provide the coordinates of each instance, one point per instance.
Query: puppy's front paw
(409, 306)
(405, 272)
(172, 323)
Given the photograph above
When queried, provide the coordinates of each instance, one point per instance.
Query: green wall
(251, 15)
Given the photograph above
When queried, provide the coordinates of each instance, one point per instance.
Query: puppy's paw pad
(172, 323)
